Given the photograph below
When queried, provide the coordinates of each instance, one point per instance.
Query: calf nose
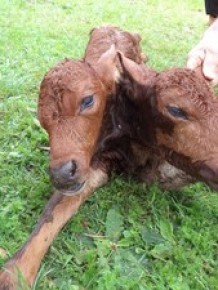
(63, 174)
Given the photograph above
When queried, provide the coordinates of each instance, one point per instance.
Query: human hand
(205, 55)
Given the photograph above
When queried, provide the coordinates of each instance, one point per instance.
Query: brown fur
(102, 37)
(72, 133)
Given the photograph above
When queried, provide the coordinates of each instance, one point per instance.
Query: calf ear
(106, 67)
(136, 79)
(130, 69)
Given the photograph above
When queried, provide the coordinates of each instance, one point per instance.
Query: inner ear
(130, 69)
(106, 66)
(137, 80)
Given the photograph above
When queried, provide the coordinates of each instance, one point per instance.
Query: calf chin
(209, 173)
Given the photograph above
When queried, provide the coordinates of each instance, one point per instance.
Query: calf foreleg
(26, 262)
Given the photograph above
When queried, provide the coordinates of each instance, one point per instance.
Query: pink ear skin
(106, 67)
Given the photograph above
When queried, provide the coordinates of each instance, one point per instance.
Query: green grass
(127, 236)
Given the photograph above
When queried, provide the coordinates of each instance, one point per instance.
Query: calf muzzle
(65, 178)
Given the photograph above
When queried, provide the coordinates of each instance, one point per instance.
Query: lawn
(126, 236)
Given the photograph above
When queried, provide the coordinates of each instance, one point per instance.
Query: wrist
(214, 23)
(212, 18)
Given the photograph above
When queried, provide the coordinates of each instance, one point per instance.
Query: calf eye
(177, 112)
(86, 102)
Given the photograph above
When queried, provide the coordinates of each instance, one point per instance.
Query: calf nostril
(68, 169)
(64, 172)
(73, 168)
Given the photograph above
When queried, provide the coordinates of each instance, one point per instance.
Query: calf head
(72, 100)
(179, 118)
(102, 37)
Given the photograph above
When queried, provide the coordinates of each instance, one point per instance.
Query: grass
(126, 236)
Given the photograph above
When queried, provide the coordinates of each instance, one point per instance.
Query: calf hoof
(12, 281)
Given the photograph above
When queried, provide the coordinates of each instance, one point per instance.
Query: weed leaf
(151, 237)
(162, 251)
(166, 230)
(114, 224)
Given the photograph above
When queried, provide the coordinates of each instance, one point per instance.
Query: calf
(72, 105)
(176, 137)
(75, 98)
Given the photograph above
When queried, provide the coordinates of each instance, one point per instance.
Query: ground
(127, 236)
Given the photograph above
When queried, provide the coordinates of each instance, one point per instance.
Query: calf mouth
(209, 175)
(74, 189)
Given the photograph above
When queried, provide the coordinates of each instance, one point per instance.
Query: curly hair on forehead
(184, 79)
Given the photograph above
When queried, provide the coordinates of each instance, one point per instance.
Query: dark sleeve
(211, 7)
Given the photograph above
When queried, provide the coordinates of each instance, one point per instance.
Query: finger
(214, 82)
(193, 63)
(195, 59)
(210, 67)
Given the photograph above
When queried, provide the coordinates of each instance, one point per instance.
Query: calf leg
(59, 210)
